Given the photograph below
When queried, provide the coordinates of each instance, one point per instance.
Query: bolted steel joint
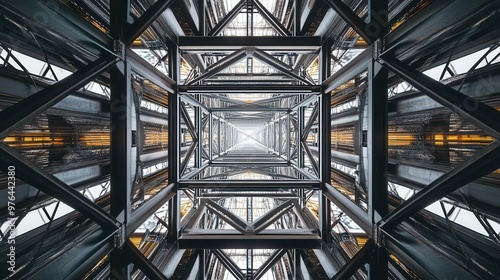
(120, 237)
(119, 48)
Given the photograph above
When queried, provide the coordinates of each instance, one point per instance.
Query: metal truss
(253, 149)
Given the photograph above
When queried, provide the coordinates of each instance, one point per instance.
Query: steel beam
(242, 184)
(358, 215)
(188, 122)
(349, 71)
(195, 103)
(249, 108)
(354, 21)
(219, 27)
(481, 164)
(358, 260)
(174, 217)
(271, 216)
(419, 256)
(478, 113)
(141, 214)
(228, 43)
(308, 13)
(77, 260)
(30, 107)
(310, 122)
(32, 174)
(281, 89)
(143, 263)
(271, 19)
(221, 65)
(325, 216)
(437, 17)
(269, 263)
(279, 65)
(140, 25)
(228, 216)
(122, 167)
(229, 264)
(239, 241)
(62, 22)
(296, 17)
(310, 155)
(195, 218)
(185, 162)
(148, 71)
(377, 139)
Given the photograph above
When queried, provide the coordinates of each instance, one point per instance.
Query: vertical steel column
(267, 136)
(300, 152)
(280, 136)
(210, 136)
(198, 123)
(202, 16)
(202, 261)
(288, 138)
(174, 146)
(296, 261)
(249, 17)
(249, 275)
(219, 136)
(122, 106)
(325, 216)
(377, 135)
(296, 18)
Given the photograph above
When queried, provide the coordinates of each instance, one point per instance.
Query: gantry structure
(250, 139)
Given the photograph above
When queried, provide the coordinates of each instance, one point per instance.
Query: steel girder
(25, 110)
(228, 43)
(83, 256)
(141, 24)
(422, 266)
(217, 29)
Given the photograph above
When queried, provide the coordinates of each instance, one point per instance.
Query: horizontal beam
(250, 88)
(249, 109)
(261, 241)
(242, 184)
(231, 43)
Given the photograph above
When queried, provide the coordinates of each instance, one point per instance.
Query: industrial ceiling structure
(250, 139)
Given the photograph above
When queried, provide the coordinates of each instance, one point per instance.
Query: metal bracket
(120, 236)
(378, 235)
(378, 48)
(120, 49)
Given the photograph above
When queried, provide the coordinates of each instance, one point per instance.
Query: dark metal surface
(36, 176)
(25, 110)
(94, 36)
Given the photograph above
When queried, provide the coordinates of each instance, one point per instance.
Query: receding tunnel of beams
(251, 136)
